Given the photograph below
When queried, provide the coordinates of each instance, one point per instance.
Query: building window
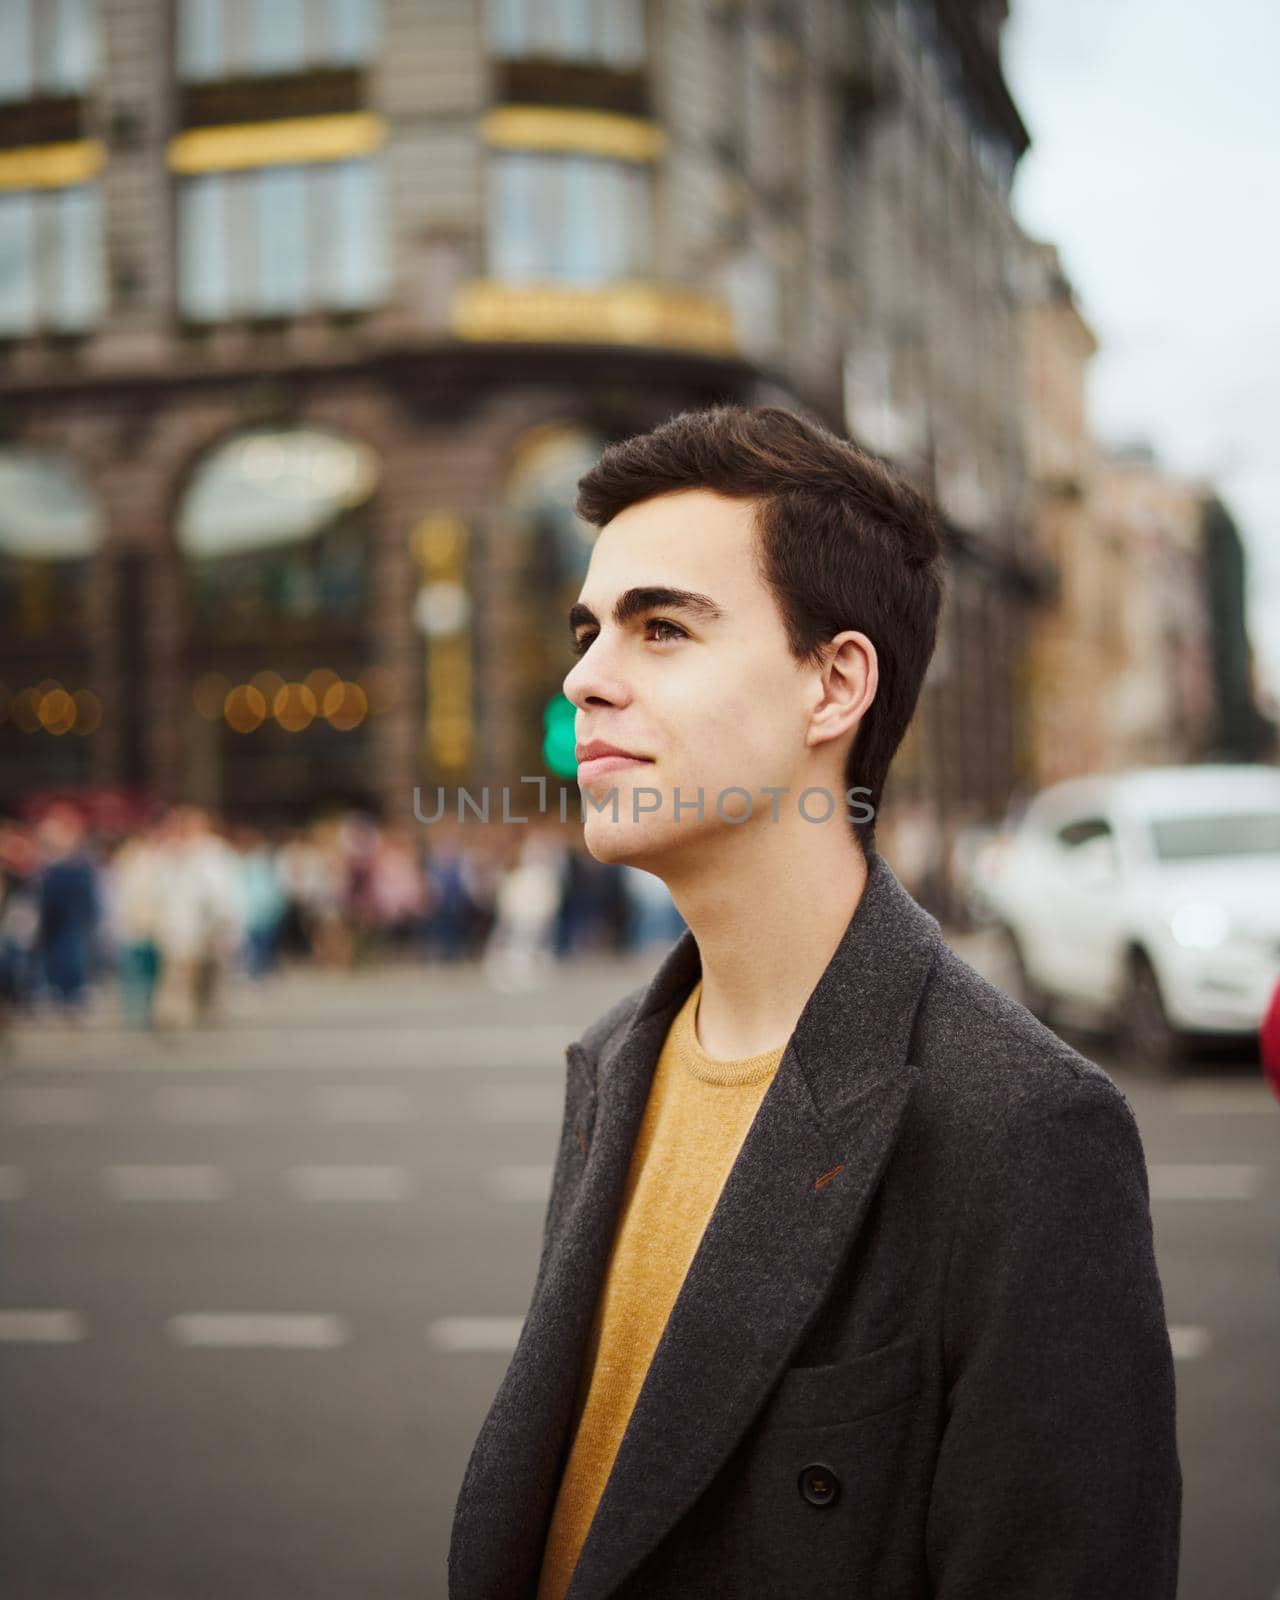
(606, 31)
(50, 260)
(230, 38)
(47, 47)
(567, 218)
(276, 534)
(276, 241)
(50, 532)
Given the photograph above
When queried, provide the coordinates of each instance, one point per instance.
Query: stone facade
(830, 228)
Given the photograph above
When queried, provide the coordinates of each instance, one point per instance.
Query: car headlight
(1199, 925)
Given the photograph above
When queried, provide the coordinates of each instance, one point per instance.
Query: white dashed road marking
(351, 1183)
(165, 1183)
(1203, 1181)
(41, 1327)
(1188, 1342)
(457, 1334)
(256, 1329)
(519, 1183)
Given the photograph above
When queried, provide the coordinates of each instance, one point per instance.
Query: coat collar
(832, 1113)
(890, 938)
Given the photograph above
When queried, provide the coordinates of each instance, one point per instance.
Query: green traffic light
(558, 740)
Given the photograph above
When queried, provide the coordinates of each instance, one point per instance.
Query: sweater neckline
(694, 1060)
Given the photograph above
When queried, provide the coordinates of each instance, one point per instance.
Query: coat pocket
(844, 1391)
(833, 1478)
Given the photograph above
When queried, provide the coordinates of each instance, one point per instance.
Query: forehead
(691, 540)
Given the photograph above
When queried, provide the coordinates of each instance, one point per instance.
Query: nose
(593, 680)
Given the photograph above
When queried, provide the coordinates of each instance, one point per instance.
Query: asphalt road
(259, 1284)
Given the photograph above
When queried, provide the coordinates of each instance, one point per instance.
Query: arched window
(275, 532)
(50, 530)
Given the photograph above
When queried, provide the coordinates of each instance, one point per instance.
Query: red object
(104, 810)
(1269, 1038)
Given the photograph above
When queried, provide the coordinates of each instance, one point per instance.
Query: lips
(597, 759)
(599, 748)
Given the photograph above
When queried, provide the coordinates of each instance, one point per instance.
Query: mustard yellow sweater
(697, 1115)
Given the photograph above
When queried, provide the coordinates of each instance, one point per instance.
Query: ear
(846, 686)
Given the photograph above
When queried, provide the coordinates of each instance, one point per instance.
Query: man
(847, 1284)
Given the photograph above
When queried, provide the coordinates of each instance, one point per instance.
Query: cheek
(747, 741)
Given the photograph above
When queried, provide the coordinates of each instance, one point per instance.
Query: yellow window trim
(269, 144)
(52, 166)
(593, 133)
(634, 312)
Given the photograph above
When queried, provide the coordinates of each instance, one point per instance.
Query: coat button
(819, 1485)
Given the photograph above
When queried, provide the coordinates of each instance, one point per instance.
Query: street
(260, 1283)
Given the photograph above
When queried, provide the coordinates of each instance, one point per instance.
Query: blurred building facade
(1076, 644)
(1241, 730)
(1140, 653)
(313, 311)
(1159, 705)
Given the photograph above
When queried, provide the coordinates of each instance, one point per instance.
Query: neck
(768, 907)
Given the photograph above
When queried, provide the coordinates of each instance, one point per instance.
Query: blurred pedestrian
(19, 916)
(265, 901)
(202, 921)
(134, 902)
(519, 952)
(69, 908)
(397, 888)
(444, 927)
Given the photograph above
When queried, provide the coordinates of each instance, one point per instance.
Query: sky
(1154, 168)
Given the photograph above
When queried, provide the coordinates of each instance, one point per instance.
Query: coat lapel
(513, 1474)
(789, 1212)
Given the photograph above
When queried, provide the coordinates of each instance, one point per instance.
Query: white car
(1149, 897)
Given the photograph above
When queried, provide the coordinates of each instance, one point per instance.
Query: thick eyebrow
(635, 602)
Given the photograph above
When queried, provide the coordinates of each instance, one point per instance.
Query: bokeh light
(294, 707)
(245, 708)
(345, 706)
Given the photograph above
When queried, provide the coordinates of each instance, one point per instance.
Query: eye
(580, 645)
(661, 622)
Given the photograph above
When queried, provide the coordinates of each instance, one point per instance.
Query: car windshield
(1234, 833)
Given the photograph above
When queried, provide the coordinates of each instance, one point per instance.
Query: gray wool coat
(921, 1349)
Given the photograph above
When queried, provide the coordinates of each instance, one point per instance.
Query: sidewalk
(405, 993)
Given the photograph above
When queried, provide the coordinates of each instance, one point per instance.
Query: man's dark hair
(843, 541)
